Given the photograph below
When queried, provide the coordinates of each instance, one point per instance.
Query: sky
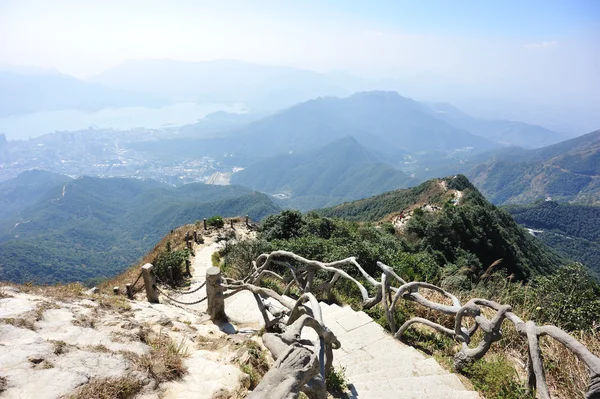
(538, 49)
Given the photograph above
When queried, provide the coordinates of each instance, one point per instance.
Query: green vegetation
(473, 235)
(450, 245)
(215, 221)
(442, 247)
(336, 380)
(169, 265)
(341, 171)
(497, 378)
(96, 227)
(566, 171)
(571, 230)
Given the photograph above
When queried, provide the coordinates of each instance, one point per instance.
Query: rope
(188, 292)
(136, 281)
(133, 292)
(178, 301)
(178, 291)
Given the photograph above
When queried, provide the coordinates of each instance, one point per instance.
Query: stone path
(379, 366)
(376, 365)
(241, 308)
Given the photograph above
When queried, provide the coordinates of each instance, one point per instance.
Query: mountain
(566, 171)
(505, 132)
(571, 230)
(340, 171)
(448, 216)
(23, 93)
(25, 190)
(92, 227)
(226, 81)
(382, 121)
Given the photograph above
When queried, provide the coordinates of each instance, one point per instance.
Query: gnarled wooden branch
(302, 369)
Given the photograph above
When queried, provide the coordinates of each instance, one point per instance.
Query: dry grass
(61, 292)
(112, 302)
(20, 322)
(3, 293)
(28, 319)
(165, 360)
(83, 321)
(109, 388)
(566, 375)
(177, 239)
(3, 384)
(60, 347)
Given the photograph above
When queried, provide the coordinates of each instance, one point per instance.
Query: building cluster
(99, 152)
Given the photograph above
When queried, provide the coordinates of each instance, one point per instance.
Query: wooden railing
(290, 322)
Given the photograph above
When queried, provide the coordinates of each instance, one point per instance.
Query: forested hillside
(437, 229)
(340, 171)
(571, 230)
(569, 170)
(92, 227)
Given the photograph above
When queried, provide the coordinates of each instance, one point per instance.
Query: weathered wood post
(171, 278)
(150, 283)
(196, 236)
(231, 223)
(247, 221)
(187, 267)
(214, 293)
(129, 291)
(205, 227)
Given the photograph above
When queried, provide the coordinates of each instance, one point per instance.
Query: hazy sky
(547, 47)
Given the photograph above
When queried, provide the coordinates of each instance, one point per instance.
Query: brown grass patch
(61, 292)
(165, 360)
(177, 239)
(109, 388)
(60, 347)
(112, 302)
(28, 319)
(83, 321)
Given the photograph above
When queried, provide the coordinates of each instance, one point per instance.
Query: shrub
(569, 298)
(170, 261)
(216, 221)
(336, 380)
(286, 225)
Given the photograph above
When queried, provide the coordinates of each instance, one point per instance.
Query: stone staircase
(379, 366)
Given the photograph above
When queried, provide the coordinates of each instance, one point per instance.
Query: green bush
(216, 221)
(569, 298)
(170, 261)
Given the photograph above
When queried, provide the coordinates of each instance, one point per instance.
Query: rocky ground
(90, 345)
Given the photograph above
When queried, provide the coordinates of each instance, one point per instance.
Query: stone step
(427, 383)
(370, 370)
(413, 395)
(333, 312)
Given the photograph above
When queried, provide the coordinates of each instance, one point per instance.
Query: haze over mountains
(50, 91)
(566, 171)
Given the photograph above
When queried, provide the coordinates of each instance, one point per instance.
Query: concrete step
(382, 369)
(427, 383)
(413, 395)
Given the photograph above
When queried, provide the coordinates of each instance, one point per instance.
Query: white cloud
(541, 44)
